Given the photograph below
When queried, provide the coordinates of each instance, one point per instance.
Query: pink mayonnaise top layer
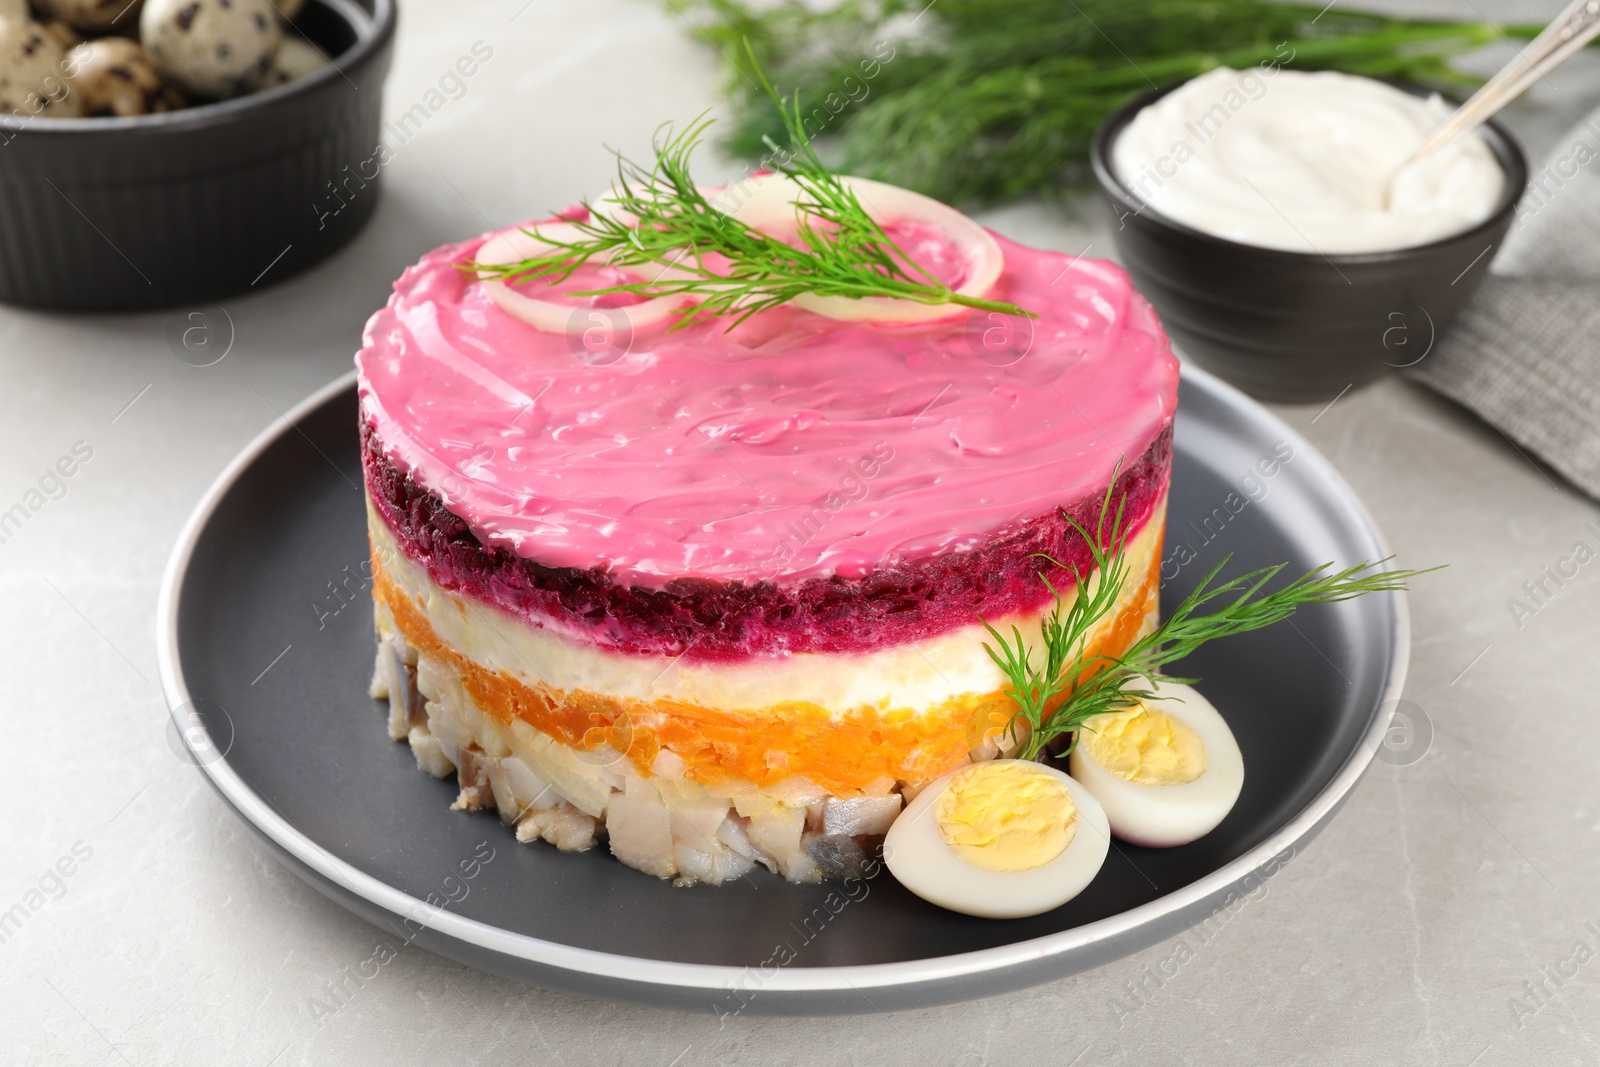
(795, 446)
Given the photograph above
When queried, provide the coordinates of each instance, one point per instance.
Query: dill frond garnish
(984, 100)
(657, 215)
(1058, 689)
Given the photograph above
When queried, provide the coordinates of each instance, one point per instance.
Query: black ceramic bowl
(128, 214)
(1298, 326)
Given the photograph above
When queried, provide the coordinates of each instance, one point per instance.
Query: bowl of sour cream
(1273, 219)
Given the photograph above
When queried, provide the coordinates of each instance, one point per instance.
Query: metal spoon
(1570, 31)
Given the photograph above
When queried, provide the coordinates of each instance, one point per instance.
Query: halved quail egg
(1002, 839)
(1166, 771)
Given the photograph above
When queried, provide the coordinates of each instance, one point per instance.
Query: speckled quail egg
(290, 9)
(92, 14)
(1002, 839)
(212, 48)
(114, 76)
(65, 35)
(15, 9)
(32, 81)
(1167, 770)
(295, 59)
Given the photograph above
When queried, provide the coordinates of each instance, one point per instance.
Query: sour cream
(1309, 162)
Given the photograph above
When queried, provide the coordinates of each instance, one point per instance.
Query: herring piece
(472, 774)
(835, 856)
(395, 680)
(778, 833)
(518, 790)
(641, 835)
(562, 825)
(860, 816)
(712, 868)
(429, 753)
(213, 48)
(732, 834)
(378, 688)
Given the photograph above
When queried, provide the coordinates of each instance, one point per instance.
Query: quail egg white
(1166, 771)
(1002, 839)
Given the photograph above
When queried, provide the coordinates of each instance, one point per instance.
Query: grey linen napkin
(1525, 352)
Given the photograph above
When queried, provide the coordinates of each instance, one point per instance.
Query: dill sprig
(1071, 685)
(657, 215)
(982, 100)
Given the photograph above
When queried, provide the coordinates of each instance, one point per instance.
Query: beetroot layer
(905, 600)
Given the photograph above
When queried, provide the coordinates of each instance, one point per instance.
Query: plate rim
(716, 979)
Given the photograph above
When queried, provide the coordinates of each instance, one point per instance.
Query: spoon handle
(1567, 33)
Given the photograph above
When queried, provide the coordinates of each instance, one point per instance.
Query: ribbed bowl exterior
(1299, 327)
(165, 210)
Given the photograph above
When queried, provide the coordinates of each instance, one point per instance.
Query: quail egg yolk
(1144, 746)
(1006, 816)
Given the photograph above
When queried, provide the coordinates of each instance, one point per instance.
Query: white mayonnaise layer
(1304, 162)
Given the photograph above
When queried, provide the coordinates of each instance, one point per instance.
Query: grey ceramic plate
(266, 648)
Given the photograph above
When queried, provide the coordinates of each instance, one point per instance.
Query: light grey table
(1445, 894)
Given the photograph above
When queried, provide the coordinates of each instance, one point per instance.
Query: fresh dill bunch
(657, 215)
(1058, 691)
(983, 100)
